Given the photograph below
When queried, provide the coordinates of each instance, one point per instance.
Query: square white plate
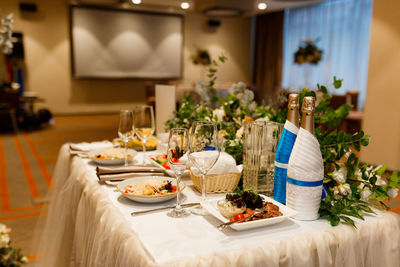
(212, 208)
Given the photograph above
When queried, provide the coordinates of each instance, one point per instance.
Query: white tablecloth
(89, 224)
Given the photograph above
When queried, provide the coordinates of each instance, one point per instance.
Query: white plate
(212, 208)
(92, 154)
(169, 172)
(148, 199)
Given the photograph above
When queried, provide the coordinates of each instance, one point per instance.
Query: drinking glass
(203, 153)
(125, 128)
(143, 121)
(177, 147)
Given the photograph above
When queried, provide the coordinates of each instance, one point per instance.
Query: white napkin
(225, 164)
(85, 147)
(305, 164)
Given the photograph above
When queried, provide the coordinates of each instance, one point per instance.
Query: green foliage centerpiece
(353, 188)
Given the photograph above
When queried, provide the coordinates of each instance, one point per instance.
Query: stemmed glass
(143, 121)
(203, 153)
(177, 147)
(125, 128)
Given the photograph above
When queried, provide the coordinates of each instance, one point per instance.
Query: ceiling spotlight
(185, 5)
(262, 6)
(136, 2)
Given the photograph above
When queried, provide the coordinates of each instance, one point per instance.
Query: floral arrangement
(5, 34)
(352, 187)
(8, 255)
(202, 57)
(308, 52)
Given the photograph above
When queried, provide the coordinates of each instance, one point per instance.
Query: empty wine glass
(203, 153)
(125, 128)
(143, 121)
(177, 147)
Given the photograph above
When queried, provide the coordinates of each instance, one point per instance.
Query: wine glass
(125, 128)
(203, 153)
(177, 147)
(143, 121)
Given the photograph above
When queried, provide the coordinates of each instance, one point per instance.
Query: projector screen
(108, 43)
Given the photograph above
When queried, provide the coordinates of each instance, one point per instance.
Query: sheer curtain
(342, 29)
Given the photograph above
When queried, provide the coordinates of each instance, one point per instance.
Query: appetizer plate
(148, 198)
(119, 161)
(212, 208)
(168, 171)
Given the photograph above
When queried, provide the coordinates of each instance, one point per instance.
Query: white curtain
(342, 29)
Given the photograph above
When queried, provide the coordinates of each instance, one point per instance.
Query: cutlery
(163, 208)
(223, 225)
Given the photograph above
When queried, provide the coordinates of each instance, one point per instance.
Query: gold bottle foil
(307, 116)
(293, 109)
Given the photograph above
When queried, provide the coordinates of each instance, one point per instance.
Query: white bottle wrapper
(305, 174)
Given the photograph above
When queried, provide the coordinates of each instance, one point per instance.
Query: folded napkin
(225, 164)
(113, 173)
(86, 147)
(305, 175)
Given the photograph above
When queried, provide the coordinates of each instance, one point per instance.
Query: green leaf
(337, 83)
(381, 170)
(334, 220)
(347, 220)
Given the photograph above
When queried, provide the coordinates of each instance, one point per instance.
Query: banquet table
(89, 224)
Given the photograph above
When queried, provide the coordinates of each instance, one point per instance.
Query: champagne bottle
(284, 148)
(305, 171)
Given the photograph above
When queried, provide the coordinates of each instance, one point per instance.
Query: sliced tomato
(238, 216)
(166, 166)
(174, 188)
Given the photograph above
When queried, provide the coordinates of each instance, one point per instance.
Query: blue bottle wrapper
(283, 151)
(279, 184)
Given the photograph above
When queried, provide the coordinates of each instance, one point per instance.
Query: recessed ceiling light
(262, 6)
(136, 2)
(185, 5)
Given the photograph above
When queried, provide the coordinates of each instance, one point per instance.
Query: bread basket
(217, 183)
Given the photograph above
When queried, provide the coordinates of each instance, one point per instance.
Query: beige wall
(382, 108)
(46, 38)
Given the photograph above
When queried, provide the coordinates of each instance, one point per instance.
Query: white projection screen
(108, 43)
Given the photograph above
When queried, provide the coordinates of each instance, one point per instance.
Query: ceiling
(211, 8)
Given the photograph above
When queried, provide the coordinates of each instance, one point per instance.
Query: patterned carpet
(27, 161)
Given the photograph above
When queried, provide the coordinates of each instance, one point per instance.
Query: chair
(9, 106)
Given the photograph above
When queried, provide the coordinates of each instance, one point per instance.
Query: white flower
(239, 133)
(393, 192)
(335, 190)
(340, 175)
(252, 106)
(365, 194)
(24, 259)
(4, 240)
(344, 189)
(266, 119)
(244, 95)
(4, 229)
(219, 113)
(380, 181)
(358, 174)
(201, 89)
(185, 120)
(361, 186)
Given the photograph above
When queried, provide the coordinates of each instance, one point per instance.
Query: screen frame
(129, 77)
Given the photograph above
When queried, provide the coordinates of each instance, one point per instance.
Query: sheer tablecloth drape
(87, 225)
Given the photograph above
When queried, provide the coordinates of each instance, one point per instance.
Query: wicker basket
(217, 183)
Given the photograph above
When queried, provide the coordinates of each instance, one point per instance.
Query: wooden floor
(27, 161)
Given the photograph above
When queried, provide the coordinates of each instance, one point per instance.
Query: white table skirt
(89, 224)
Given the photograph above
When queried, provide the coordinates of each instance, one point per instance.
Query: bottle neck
(307, 122)
(293, 116)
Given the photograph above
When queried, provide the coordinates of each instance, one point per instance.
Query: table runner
(89, 224)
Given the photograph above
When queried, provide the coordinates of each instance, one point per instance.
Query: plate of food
(151, 189)
(135, 143)
(259, 209)
(161, 161)
(111, 156)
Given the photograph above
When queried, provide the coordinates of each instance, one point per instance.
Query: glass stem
(126, 152)
(144, 151)
(203, 188)
(178, 206)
